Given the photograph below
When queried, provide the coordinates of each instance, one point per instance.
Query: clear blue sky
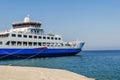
(97, 22)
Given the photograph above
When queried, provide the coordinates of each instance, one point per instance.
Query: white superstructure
(29, 34)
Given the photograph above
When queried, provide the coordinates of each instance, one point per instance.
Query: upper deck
(26, 23)
(27, 26)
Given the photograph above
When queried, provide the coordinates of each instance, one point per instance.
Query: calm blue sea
(101, 65)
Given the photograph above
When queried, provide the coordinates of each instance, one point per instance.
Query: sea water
(101, 65)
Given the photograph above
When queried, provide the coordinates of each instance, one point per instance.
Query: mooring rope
(9, 54)
(31, 56)
(13, 54)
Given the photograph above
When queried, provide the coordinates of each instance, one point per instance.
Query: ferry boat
(27, 39)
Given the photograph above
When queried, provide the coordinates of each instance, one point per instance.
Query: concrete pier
(34, 73)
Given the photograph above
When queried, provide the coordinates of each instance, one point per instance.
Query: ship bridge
(26, 23)
(27, 27)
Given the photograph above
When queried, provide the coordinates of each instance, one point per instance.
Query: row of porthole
(40, 37)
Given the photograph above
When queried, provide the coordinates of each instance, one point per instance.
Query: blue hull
(39, 52)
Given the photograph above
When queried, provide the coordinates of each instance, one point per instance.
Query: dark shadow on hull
(13, 57)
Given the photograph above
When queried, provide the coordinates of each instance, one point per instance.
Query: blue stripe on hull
(42, 52)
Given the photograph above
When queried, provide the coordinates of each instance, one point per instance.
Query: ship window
(13, 35)
(48, 44)
(55, 38)
(39, 44)
(30, 43)
(35, 36)
(40, 37)
(52, 44)
(44, 37)
(3, 35)
(0, 43)
(32, 31)
(67, 44)
(52, 38)
(35, 43)
(19, 35)
(37, 31)
(8, 43)
(19, 43)
(55, 44)
(30, 36)
(61, 44)
(44, 43)
(25, 36)
(48, 37)
(59, 38)
(25, 43)
(13, 43)
(7, 35)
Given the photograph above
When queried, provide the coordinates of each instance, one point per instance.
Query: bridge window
(4, 35)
